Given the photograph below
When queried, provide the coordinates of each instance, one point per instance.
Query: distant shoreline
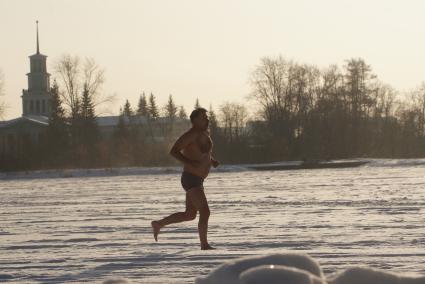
(277, 166)
(306, 165)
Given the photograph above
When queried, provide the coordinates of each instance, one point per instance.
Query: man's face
(201, 121)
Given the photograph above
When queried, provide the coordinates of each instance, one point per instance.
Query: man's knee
(190, 215)
(204, 212)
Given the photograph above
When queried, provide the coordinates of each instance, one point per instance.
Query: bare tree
(67, 68)
(417, 104)
(73, 74)
(269, 82)
(385, 97)
(284, 89)
(233, 118)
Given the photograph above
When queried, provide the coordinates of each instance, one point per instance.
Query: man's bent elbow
(174, 152)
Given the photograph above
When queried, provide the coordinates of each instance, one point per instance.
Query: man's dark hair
(196, 113)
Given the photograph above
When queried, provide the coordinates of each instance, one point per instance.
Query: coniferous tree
(142, 107)
(213, 121)
(57, 131)
(75, 128)
(170, 113)
(139, 128)
(89, 128)
(182, 113)
(87, 109)
(171, 108)
(197, 105)
(153, 108)
(127, 111)
(153, 114)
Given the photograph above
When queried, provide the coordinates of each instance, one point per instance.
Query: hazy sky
(207, 49)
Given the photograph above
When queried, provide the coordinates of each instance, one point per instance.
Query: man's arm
(181, 143)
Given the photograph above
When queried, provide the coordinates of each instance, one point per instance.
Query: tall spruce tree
(213, 120)
(89, 128)
(142, 107)
(170, 108)
(57, 130)
(87, 109)
(75, 125)
(153, 108)
(197, 105)
(182, 113)
(127, 111)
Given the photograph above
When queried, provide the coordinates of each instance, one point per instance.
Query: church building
(22, 135)
(36, 102)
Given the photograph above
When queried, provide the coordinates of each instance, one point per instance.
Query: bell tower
(36, 100)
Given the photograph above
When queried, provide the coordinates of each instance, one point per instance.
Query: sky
(208, 49)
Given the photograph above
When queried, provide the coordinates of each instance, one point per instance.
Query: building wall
(16, 139)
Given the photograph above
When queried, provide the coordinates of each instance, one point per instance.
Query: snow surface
(85, 227)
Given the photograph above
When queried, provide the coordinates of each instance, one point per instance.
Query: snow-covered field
(89, 227)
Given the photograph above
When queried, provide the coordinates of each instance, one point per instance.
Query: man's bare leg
(199, 200)
(188, 215)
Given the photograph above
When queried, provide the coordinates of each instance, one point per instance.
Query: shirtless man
(193, 149)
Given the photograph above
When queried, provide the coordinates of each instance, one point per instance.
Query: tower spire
(38, 49)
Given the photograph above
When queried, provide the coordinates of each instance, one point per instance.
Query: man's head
(199, 118)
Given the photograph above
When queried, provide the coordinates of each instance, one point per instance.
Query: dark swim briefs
(190, 181)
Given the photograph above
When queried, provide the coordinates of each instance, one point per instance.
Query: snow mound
(233, 272)
(367, 275)
(277, 274)
(297, 269)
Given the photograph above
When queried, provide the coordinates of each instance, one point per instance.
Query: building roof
(38, 119)
(102, 121)
(37, 55)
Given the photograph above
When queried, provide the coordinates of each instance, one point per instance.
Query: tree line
(297, 111)
(333, 113)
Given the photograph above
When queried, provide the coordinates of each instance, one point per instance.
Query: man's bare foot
(206, 247)
(155, 227)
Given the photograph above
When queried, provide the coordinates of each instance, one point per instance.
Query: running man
(193, 149)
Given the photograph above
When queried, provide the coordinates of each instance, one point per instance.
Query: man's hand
(215, 163)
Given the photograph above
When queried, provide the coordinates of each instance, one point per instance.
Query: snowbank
(297, 269)
(276, 266)
(367, 275)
